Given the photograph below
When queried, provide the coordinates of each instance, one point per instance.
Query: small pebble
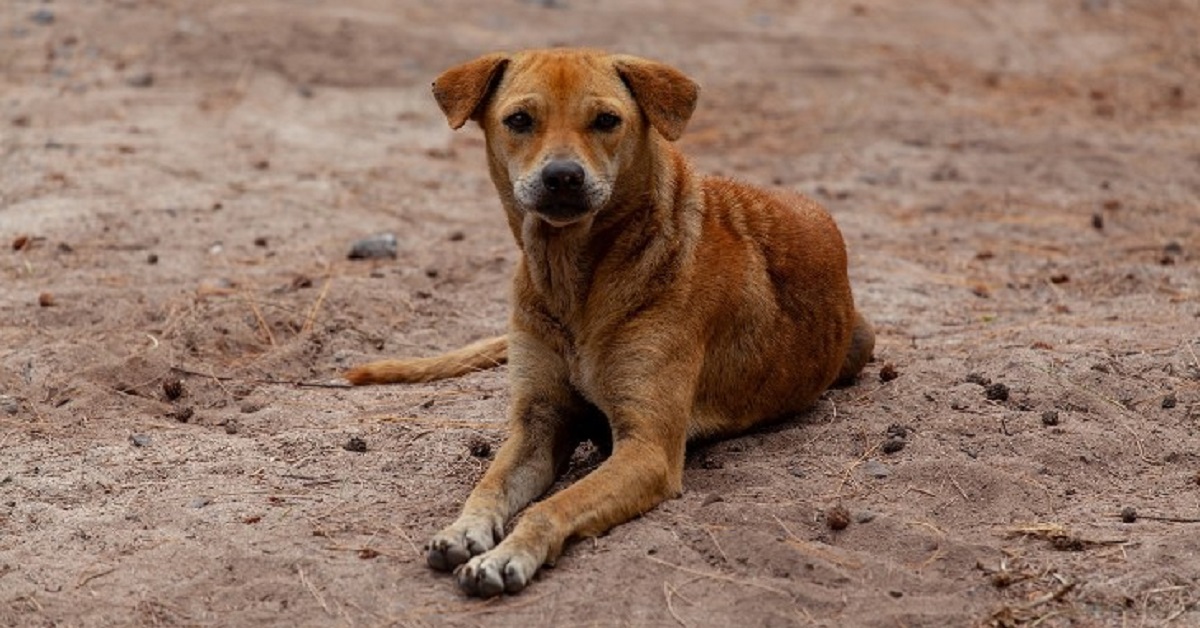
(1169, 401)
(152, 259)
(199, 502)
(457, 236)
(1050, 418)
(712, 498)
(260, 241)
(876, 469)
(46, 299)
(838, 518)
(865, 516)
(893, 445)
(182, 415)
(141, 79)
(20, 242)
(374, 247)
(140, 440)
(42, 16)
(9, 405)
(1128, 514)
(232, 426)
(355, 444)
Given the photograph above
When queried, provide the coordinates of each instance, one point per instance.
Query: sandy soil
(181, 183)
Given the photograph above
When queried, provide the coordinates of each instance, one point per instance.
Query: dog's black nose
(563, 175)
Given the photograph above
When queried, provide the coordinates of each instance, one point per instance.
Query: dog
(650, 305)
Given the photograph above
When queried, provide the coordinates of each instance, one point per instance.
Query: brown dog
(650, 305)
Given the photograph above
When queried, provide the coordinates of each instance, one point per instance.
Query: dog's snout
(563, 175)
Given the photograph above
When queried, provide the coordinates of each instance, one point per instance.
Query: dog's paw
(460, 541)
(498, 571)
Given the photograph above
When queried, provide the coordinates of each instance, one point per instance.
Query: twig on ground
(1053, 596)
(88, 578)
(960, 489)
(262, 322)
(1166, 519)
(813, 550)
(717, 576)
(312, 313)
(668, 591)
(408, 539)
(261, 381)
(922, 491)
(441, 423)
(720, 550)
(313, 590)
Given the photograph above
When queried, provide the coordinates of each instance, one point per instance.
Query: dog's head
(563, 125)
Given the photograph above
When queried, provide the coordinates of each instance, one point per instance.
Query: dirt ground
(181, 182)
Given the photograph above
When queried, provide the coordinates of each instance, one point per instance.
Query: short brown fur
(673, 306)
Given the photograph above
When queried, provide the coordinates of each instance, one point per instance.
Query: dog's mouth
(560, 212)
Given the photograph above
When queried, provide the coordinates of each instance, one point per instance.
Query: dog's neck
(639, 226)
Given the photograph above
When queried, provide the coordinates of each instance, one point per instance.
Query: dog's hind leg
(862, 348)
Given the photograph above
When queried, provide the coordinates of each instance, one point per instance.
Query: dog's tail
(477, 356)
(862, 350)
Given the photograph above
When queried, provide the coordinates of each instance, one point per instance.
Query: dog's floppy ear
(666, 95)
(461, 90)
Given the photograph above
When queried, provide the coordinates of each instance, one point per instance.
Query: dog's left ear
(666, 95)
(462, 90)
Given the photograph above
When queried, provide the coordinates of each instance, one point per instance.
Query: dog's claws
(443, 555)
(490, 575)
(477, 580)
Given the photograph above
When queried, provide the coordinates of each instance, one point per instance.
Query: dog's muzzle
(564, 194)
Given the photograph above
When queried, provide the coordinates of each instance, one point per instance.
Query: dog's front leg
(646, 467)
(525, 466)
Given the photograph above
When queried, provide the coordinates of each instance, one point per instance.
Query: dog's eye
(519, 122)
(606, 122)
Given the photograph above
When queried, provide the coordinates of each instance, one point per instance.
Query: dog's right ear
(462, 90)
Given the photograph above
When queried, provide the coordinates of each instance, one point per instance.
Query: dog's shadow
(706, 453)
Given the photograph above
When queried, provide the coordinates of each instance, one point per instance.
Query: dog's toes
(494, 573)
(444, 555)
(457, 544)
(515, 577)
(480, 579)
